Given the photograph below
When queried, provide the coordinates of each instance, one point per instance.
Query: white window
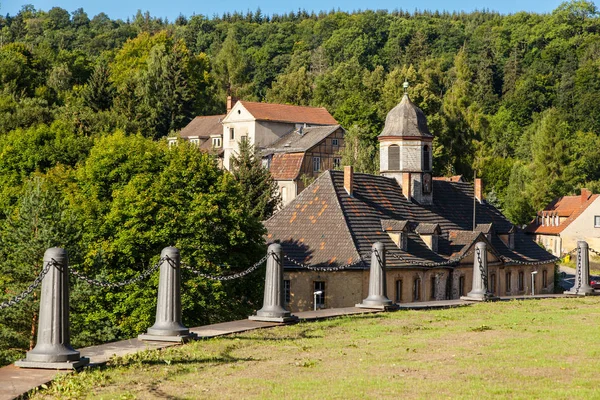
(597, 221)
(195, 142)
(231, 134)
(319, 297)
(316, 164)
(216, 142)
(283, 194)
(337, 162)
(243, 138)
(172, 142)
(334, 142)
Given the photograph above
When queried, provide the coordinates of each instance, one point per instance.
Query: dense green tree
(261, 194)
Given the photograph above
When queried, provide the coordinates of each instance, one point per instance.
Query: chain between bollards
(133, 280)
(323, 269)
(226, 277)
(25, 293)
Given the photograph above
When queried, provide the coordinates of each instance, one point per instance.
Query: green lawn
(534, 349)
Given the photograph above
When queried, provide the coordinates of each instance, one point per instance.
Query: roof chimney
(231, 102)
(406, 189)
(585, 194)
(349, 179)
(479, 189)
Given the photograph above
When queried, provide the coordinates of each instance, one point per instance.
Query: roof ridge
(346, 222)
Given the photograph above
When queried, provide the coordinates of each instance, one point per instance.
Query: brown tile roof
(377, 198)
(427, 229)
(203, 127)
(312, 229)
(566, 206)
(304, 140)
(484, 228)
(454, 178)
(286, 166)
(289, 113)
(394, 225)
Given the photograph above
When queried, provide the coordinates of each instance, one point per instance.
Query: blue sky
(172, 8)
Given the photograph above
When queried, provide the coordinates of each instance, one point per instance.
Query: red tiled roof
(286, 166)
(566, 206)
(455, 178)
(289, 113)
(203, 126)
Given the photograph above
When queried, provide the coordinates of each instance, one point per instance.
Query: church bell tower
(405, 150)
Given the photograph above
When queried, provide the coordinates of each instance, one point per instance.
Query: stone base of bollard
(289, 319)
(582, 293)
(145, 337)
(69, 365)
(384, 307)
(482, 298)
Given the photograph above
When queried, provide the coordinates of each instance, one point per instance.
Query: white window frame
(216, 142)
(320, 298)
(231, 133)
(334, 142)
(596, 221)
(316, 164)
(337, 162)
(195, 142)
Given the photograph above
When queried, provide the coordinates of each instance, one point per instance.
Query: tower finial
(405, 86)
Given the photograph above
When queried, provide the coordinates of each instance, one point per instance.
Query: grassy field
(536, 349)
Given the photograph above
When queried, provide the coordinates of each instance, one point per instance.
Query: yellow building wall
(347, 288)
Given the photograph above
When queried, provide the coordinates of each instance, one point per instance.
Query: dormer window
(195, 141)
(397, 231)
(216, 142)
(429, 233)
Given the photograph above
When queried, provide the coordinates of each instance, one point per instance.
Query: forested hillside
(84, 100)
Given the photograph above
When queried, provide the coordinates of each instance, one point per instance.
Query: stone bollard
(582, 273)
(377, 284)
(168, 326)
(272, 310)
(53, 348)
(479, 291)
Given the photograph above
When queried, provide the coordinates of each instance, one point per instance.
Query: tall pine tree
(261, 193)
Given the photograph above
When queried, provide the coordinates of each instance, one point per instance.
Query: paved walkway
(15, 381)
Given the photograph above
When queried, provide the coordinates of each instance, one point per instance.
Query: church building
(428, 226)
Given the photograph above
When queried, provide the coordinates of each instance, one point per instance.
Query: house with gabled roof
(302, 155)
(426, 225)
(264, 124)
(566, 220)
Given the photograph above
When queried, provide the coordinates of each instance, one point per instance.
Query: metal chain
(38, 280)
(226, 277)
(133, 280)
(574, 250)
(510, 260)
(594, 251)
(323, 269)
(438, 264)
